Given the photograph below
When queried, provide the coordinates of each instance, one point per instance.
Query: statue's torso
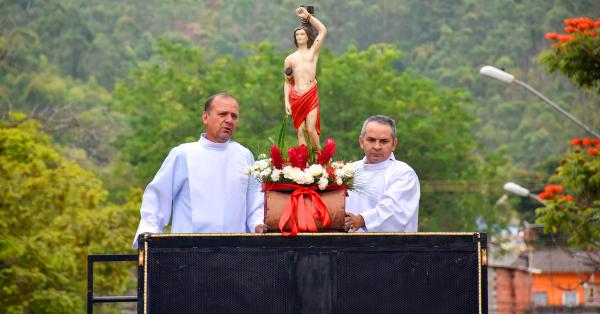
(304, 66)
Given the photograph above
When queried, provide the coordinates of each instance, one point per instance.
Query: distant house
(545, 281)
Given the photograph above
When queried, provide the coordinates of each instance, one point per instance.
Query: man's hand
(302, 13)
(354, 222)
(260, 228)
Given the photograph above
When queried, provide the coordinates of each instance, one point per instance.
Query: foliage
(102, 40)
(73, 112)
(51, 217)
(573, 205)
(577, 53)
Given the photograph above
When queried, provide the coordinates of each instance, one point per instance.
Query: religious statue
(300, 87)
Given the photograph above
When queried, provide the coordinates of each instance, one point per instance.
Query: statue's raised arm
(308, 18)
(300, 86)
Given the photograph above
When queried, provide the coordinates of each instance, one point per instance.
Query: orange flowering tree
(576, 53)
(573, 202)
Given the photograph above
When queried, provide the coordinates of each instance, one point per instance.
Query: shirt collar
(212, 145)
(380, 165)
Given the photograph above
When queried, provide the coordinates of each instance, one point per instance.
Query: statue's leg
(300, 131)
(311, 128)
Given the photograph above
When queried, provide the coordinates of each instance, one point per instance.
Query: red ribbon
(297, 207)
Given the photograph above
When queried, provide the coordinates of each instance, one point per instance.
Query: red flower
(592, 152)
(548, 188)
(569, 29)
(564, 38)
(298, 156)
(325, 155)
(276, 158)
(558, 188)
(553, 188)
(566, 197)
(576, 142)
(545, 195)
(550, 36)
(586, 142)
(331, 173)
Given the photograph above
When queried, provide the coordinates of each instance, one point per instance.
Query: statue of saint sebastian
(300, 87)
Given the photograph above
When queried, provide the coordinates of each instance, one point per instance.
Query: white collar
(212, 145)
(380, 165)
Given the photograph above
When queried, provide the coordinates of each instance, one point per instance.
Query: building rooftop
(557, 261)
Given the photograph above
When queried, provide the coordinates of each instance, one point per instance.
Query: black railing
(93, 258)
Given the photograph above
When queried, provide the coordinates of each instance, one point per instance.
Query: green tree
(52, 215)
(573, 202)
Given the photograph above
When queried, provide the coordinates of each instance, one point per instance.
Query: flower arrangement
(296, 169)
(299, 182)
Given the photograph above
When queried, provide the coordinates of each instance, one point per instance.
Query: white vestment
(391, 202)
(205, 187)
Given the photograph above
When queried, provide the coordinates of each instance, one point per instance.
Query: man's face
(221, 119)
(301, 37)
(378, 143)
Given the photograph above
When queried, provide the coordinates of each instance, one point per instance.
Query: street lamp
(521, 191)
(509, 78)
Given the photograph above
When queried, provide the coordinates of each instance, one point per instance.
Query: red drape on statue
(302, 105)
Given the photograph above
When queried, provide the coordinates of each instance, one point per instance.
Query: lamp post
(521, 191)
(509, 78)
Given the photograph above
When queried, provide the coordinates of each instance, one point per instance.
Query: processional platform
(313, 273)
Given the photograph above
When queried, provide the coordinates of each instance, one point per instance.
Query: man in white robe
(391, 200)
(202, 186)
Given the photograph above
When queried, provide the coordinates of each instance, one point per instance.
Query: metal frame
(93, 258)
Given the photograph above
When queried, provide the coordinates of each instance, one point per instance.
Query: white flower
(275, 175)
(348, 170)
(286, 171)
(301, 177)
(263, 164)
(323, 183)
(337, 165)
(294, 174)
(338, 181)
(315, 170)
(339, 173)
(308, 178)
(265, 173)
(262, 156)
(324, 174)
(290, 172)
